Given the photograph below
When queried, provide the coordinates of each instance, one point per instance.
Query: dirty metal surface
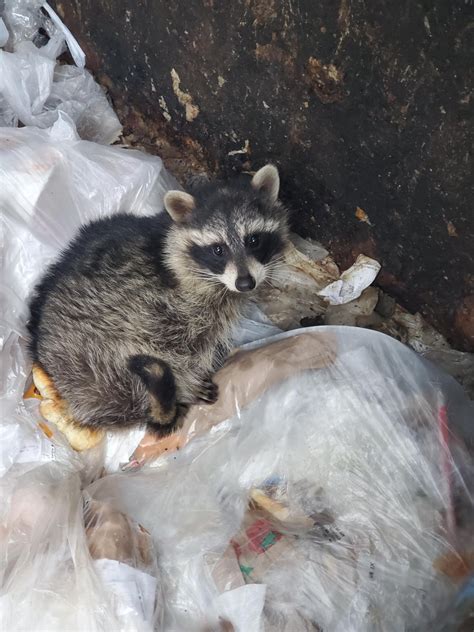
(365, 108)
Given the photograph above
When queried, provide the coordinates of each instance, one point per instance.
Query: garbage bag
(55, 574)
(339, 476)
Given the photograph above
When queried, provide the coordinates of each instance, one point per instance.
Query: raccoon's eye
(218, 250)
(253, 241)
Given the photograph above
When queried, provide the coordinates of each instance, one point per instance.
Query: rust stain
(464, 321)
(362, 216)
(452, 232)
(326, 81)
(344, 14)
(457, 566)
(181, 155)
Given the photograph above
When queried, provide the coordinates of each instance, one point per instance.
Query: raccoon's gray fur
(137, 314)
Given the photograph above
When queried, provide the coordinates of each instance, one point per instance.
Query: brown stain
(181, 154)
(274, 54)
(457, 566)
(344, 15)
(452, 232)
(297, 132)
(464, 321)
(262, 11)
(361, 215)
(325, 80)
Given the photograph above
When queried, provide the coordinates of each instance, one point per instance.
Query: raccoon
(137, 314)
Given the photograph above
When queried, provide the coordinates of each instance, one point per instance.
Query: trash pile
(311, 291)
(330, 486)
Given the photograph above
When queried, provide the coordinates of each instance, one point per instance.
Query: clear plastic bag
(47, 565)
(337, 465)
(45, 562)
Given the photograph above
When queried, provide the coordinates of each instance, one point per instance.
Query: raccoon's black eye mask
(264, 246)
(207, 257)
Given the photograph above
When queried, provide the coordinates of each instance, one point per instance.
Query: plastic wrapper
(35, 21)
(23, 19)
(337, 466)
(125, 560)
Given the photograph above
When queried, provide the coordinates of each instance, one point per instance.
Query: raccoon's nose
(245, 283)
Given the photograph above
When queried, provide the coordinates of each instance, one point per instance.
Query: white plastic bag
(37, 90)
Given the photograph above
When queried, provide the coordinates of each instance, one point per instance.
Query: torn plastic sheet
(3, 33)
(76, 51)
(352, 282)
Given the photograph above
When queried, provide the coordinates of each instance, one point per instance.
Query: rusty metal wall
(364, 106)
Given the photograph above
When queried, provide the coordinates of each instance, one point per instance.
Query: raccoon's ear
(179, 205)
(267, 181)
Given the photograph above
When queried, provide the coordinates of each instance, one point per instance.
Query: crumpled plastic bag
(35, 90)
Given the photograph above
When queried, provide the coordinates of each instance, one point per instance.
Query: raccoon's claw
(208, 393)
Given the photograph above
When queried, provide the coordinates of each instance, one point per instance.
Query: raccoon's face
(230, 234)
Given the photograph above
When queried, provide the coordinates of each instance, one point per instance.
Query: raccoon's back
(110, 262)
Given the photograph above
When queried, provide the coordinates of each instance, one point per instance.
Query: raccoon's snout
(245, 283)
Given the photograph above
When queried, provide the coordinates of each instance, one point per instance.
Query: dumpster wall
(363, 106)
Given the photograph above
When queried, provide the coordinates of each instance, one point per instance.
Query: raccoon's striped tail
(158, 378)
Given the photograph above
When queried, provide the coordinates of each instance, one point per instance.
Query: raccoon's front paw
(208, 392)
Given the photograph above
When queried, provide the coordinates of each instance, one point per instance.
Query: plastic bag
(44, 549)
(125, 560)
(35, 90)
(44, 553)
(342, 481)
(35, 21)
(23, 19)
